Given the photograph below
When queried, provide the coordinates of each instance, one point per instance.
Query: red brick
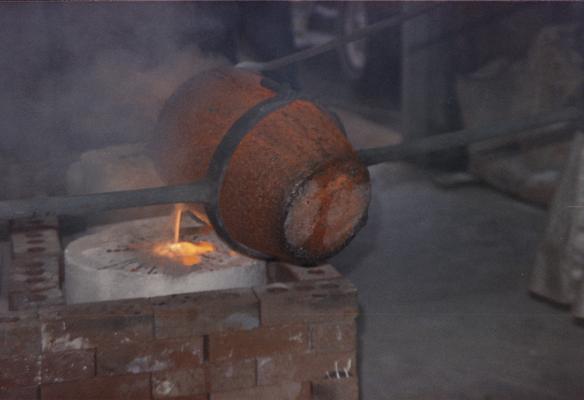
(179, 383)
(19, 370)
(33, 224)
(66, 366)
(20, 333)
(34, 272)
(285, 391)
(32, 300)
(90, 333)
(36, 284)
(47, 262)
(232, 375)
(284, 272)
(86, 326)
(336, 389)
(123, 387)
(302, 367)
(316, 301)
(35, 243)
(20, 393)
(203, 313)
(150, 356)
(99, 310)
(264, 341)
(334, 336)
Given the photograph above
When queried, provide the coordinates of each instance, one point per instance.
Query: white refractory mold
(118, 262)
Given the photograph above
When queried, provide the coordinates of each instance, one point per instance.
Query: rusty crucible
(271, 171)
(286, 182)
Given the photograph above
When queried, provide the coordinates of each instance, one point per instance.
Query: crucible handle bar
(197, 192)
(553, 123)
(201, 191)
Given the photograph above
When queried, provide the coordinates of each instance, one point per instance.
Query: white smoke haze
(117, 99)
(79, 76)
(85, 75)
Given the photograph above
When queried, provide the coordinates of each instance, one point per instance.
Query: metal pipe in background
(359, 34)
(197, 192)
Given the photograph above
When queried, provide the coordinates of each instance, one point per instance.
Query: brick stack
(293, 340)
(34, 278)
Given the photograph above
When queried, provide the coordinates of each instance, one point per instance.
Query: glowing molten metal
(185, 253)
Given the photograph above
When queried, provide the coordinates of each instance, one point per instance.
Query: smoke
(86, 75)
(117, 98)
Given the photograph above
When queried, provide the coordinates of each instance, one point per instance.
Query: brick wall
(292, 339)
(34, 276)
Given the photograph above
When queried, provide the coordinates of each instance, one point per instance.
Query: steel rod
(197, 192)
(362, 33)
(200, 191)
(404, 151)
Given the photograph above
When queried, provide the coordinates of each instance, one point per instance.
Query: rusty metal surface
(194, 120)
(278, 155)
(286, 142)
(224, 153)
(327, 209)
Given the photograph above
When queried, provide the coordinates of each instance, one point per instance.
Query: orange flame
(185, 253)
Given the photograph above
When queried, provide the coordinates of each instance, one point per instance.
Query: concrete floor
(442, 277)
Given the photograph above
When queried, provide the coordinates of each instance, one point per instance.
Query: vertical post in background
(429, 104)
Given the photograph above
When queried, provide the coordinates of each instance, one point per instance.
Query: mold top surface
(145, 247)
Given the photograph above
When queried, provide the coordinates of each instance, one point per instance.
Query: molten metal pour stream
(182, 252)
(177, 215)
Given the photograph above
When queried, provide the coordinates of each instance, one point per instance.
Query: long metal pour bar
(200, 191)
(552, 122)
(197, 192)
